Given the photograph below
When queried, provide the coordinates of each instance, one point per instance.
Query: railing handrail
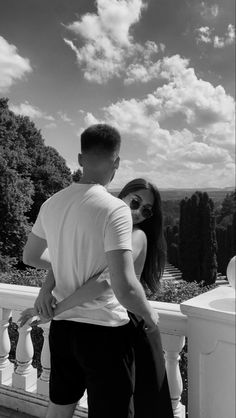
(172, 320)
(17, 297)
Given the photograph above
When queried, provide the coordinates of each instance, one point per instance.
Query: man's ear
(80, 160)
(117, 163)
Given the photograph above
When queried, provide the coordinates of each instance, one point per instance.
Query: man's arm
(45, 303)
(36, 253)
(127, 288)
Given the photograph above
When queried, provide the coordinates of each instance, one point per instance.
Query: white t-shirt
(80, 224)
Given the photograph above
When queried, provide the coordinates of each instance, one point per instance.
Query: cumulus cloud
(205, 35)
(144, 66)
(51, 125)
(198, 146)
(227, 39)
(26, 109)
(13, 66)
(65, 118)
(209, 12)
(108, 47)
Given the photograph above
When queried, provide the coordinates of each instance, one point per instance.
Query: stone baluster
(25, 375)
(43, 381)
(172, 345)
(6, 367)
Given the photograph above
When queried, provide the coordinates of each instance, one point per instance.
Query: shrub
(28, 277)
(176, 292)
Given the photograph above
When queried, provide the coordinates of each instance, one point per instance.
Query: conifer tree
(197, 239)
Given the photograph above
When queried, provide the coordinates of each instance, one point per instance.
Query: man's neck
(85, 179)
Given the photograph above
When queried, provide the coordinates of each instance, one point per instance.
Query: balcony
(208, 321)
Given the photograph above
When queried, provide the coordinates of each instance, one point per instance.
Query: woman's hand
(152, 322)
(36, 319)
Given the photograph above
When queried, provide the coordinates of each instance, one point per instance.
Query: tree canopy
(30, 173)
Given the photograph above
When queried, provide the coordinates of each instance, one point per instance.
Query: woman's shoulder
(139, 238)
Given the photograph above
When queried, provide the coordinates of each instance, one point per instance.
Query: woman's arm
(139, 247)
(92, 289)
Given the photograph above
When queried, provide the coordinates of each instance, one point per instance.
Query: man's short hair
(100, 139)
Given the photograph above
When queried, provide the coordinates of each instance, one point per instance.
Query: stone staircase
(173, 273)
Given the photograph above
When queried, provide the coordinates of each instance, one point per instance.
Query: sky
(160, 71)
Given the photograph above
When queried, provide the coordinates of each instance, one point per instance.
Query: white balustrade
(17, 298)
(43, 381)
(6, 367)
(25, 375)
(173, 328)
(172, 345)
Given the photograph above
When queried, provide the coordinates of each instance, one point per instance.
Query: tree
(76, 175)
(228, 207)
(30, 173)
(49, 176)
(226, 243)
(197, 239)
(16, 199)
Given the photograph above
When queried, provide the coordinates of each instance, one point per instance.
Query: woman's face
(140, 203)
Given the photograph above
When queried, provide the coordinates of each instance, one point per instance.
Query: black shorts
(93, 357)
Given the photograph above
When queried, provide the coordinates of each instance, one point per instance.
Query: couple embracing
(99, 251)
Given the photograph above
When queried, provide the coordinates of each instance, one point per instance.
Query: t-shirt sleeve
(38, 228)
(118, 231)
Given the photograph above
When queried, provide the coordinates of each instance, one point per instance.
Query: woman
(151, 387)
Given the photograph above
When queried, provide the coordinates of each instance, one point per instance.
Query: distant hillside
(179, 194)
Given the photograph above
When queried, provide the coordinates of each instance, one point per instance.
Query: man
(84, 229)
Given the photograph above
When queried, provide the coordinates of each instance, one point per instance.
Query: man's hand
(45, 304)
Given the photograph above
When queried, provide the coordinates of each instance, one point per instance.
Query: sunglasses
(135, 204)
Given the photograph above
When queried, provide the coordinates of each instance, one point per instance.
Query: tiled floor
(9, 413)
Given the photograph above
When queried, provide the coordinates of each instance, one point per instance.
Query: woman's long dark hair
(153, 228)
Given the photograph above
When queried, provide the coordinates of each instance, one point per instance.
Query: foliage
(49, 176)
(30, 172)
(172, 241)
(171, 213)
(6, 264)
(179, 291)
(197, 239)
(27, 277)
(226, 240)
(16, 198)
(76, 175)
(227, 209)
